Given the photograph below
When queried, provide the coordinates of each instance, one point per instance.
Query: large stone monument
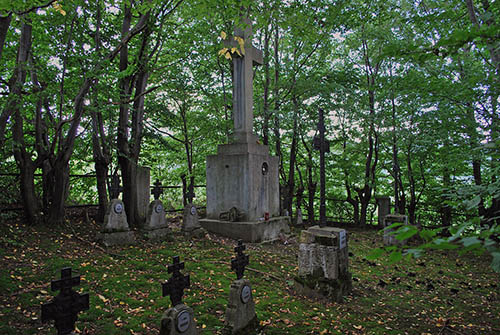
(115, 229)
(323, 264)
(156, 226)
(243, 177)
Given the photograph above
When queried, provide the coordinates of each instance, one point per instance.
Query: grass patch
(438, 293)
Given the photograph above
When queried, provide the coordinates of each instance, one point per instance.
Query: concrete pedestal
(115, 229)
(244, 176)
(178, 320)
(389, 236)
(249, 231)
(323, 264)
(240, 312)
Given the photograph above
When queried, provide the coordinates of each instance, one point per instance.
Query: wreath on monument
(229, 52)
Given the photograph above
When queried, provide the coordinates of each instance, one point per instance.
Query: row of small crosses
(68, 303)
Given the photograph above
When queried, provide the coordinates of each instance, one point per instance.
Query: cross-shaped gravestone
(240, 261)
(321, 144)
(157, 190)
(177, 283)
(115, 189)
(243, 79)
(190, 195)
(66, 305)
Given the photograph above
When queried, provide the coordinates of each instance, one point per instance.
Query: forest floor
(439, 293)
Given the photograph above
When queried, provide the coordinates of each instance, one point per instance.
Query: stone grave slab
(156, 227)
(115, 229)
(190, 222)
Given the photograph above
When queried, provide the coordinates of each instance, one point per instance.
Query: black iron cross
(177, 283)
(323, 146)
(157, 190)
(240, 261)
(115, 189)
(66, 305)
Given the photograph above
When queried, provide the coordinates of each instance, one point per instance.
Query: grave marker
(156, 227)
(66, 305)
(115, 229)
(178, 319)
(240, 312)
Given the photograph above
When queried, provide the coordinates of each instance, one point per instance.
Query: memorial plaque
(118, 208)
(159, 208)
(342, 239)
(183, 321)
(193, 210)
(246, 294)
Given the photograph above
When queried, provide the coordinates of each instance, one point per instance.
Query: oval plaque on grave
(159, 208)
(193, 210)
(265, 168)
(118, 208)
(183, 321)
(246, 293)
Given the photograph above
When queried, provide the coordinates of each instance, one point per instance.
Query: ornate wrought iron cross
(115, 189)
(177, 283)
(240, 261)
(66, 305)
(157, 190)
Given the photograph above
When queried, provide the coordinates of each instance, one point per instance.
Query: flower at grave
(228, 52)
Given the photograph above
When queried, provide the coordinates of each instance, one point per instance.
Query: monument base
(116, 238)
(249, 231)
(157, 234)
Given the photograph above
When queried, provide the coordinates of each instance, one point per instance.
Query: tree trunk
(267, 80)
(4, 28)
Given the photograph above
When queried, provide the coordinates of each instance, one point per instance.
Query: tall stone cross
(66, 305)
(177, 283)
(243, 82)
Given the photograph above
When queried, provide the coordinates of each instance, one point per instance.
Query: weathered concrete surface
(190, 220)
(384, 208)
(249, 231)
(156, 227)
(115, 229)
(323, 264)
(240, 316)
(169, 321)
(389, 237)
(236, 178)
(142, 179)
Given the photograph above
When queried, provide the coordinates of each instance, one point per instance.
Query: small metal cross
(115, 189)
(177, 283)
(240, 261)
(157, 190)
(66, 305)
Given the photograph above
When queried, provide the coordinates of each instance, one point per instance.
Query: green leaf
(375, 253)
(468, 241)
(395, 256)
(495, 263)
(406, 232)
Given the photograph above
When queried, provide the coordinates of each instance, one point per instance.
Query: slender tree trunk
(4, 28)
